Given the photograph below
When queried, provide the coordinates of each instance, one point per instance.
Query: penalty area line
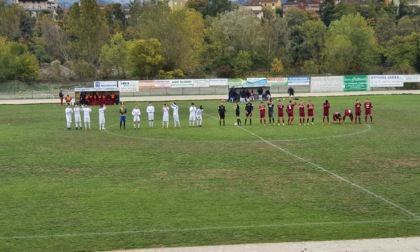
(335, 175)
(174, 230)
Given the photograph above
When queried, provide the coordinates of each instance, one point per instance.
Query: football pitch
(96, 190)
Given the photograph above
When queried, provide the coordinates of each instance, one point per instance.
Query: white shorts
(77, 119)
(176, 118)
(165, 118)
(151, 116)
(136, 118)
(87, 119)
(101, 120)
(192, 118)
(68, 118)
(199, 117)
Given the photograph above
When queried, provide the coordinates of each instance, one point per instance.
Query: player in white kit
(176, 115)
(165, 119)
(151, 114)
(69, 112)
(77, 117)
(102, 117)
(86, 117)
(193, 118)
(199, 116)
(136, 117)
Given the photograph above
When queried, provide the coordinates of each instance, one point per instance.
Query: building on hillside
(177, 4)
(35, 6)
(312, 6)
(411, 3)
(257, 6)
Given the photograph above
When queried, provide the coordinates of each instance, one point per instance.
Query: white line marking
(204, 229)
(335, 175)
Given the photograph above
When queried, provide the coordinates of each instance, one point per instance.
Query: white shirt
(175, 108)
(193, 110)
(86, 112)
(150, 109)
(199, 112)
(136, 112)
(102, 112)
(69, 111)
(76, 112)
(165, 111)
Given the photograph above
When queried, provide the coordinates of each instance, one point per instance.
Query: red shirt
(310, 107)
(280, 108)
(368, 105)
(358, 108)
(302, 110)
(290, 108)
(326, 109)
(262, 110)
(347, 112)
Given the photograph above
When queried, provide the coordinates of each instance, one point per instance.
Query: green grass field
(119, 189)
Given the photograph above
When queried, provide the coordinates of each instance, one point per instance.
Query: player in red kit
(348, 113)
(301, 113)
(289, 109)
(337, 117)
(368, 110)
(280, 113)
(358, 110)
(262, 113)
(310, 108)
(326, 112)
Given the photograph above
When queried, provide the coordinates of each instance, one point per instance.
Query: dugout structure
(235, 92)
(97, 96)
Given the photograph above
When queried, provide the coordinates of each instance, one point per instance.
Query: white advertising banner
(277, 81)
(181, 83)
(256, 81)
(298, 81)
(412, 78)
(218, 82)
(129, 86)
(105, 84)
(327, 84)
(201, 83)
(162, 84)
(386, 80)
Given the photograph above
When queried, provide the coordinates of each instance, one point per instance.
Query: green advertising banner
(356, 83)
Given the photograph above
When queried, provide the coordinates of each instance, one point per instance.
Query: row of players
(337, 118)
(196, 115)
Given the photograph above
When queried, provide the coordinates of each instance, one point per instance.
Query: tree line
(206, 39)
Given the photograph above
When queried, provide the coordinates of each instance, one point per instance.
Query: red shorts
(302, 113)
(262, 115)
(368, 112)
(290, 114)
(358, 112)
(280, 113)
(326, 113)
(310, 113)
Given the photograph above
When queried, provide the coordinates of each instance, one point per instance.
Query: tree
(353, 31)
(242, 63)
(338, 55)
(315, 33)
(145, 58)
(15, 23)
(180, 33)
(87, 30)
(114, 56)
(327, 11)
(235, 31)
(16, 62)
(53, 38)
(404, 52)
(276, 67)
(115, 17)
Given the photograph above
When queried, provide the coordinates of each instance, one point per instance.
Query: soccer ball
(235, 124)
